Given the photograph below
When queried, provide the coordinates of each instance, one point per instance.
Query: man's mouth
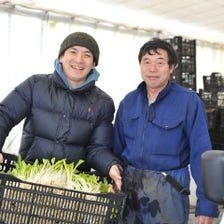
(77, 67)
(152, 77)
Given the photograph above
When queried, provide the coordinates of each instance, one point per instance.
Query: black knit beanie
(80, 39)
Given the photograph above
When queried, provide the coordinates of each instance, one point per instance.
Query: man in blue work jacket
(161, 129)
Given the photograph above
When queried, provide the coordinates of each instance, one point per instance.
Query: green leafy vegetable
(59, 174)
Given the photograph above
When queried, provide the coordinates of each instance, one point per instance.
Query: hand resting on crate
(115, 173)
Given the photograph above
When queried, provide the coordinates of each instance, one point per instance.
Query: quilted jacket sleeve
(14, 108)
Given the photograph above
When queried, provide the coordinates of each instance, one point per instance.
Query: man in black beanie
(66, 114)
(81, 39)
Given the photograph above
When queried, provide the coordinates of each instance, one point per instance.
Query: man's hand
(204, 220)
(1, 158)
(115, 174)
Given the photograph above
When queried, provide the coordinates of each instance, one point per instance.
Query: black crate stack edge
(185, 73)
(213, 98)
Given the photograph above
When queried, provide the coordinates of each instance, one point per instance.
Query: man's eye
(161, 63)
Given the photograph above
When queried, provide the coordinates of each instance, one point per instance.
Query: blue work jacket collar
(161, 95)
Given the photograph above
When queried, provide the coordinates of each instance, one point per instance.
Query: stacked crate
(213, 97)
(185, 73)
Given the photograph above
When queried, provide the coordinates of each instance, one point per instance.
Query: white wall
(208, 60)
(29, 44)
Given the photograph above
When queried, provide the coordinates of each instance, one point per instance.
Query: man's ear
(172, 68)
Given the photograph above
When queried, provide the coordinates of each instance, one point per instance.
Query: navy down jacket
(59, 122)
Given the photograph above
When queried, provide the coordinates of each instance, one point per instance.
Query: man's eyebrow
(162, 58)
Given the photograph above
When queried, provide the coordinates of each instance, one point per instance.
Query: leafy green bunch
(60, 174)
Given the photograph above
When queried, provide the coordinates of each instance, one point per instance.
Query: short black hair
(155, 44)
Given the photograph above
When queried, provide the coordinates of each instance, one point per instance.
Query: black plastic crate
(221, 119)
(208, 98)
(213, 83)
(189, 47)
(183, 46)
(220, 99)
(8, 162)
(25, 203)
(212, 115)
(176, 42)
(186, 53)
(188, 64)
(217, 138)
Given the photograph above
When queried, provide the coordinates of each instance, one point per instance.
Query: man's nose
(79, 57)
(152, 67)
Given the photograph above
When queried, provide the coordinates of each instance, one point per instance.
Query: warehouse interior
(32, 30)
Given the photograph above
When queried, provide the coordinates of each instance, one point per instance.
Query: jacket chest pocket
(169, 137)
(168, 124)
